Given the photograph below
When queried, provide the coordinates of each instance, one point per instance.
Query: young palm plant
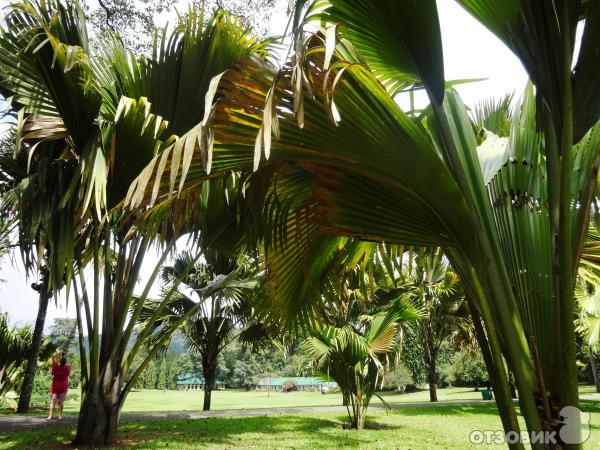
(356, 360)
(355, 335)
(223, 288)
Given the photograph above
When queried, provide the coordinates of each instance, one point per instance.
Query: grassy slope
(415, 428)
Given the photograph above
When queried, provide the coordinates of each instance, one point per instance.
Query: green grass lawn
(416, 428)
(157, 400)
(171, 401)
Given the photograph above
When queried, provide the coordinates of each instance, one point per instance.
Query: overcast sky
(470, 51)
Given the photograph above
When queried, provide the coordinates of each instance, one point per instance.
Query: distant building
(302, 383)
(191, 382)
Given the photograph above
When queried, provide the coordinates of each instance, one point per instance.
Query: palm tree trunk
(432, 380)
(101, 408)
(209, 369)
(359, 417)
(503, 387)
(594, 369)
(36, 343)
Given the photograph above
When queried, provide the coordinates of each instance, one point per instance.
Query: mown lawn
(157, 400)
(172, 401)
(416, 428)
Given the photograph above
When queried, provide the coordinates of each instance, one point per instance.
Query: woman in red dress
(60, 384)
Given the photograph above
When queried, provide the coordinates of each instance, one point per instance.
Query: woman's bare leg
(51, 409)
(60, 409)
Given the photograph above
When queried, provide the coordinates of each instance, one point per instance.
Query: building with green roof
(191, 382)
(296, 383)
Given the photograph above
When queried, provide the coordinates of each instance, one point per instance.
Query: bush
(398, 378)
(465, 369)
(289, 385)
(412, 357)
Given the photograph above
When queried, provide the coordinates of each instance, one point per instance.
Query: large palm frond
(379, 174)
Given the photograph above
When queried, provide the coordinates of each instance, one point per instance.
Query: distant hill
(176, 346)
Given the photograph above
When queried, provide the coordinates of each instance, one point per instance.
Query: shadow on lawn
(274, 431)
(232, 431)
(489, 409)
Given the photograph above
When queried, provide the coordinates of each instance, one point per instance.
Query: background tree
(433, 286)
(138, 20)
(465, 368)
(63, 332)
(33, 353)
(220, 316)
(28, 184)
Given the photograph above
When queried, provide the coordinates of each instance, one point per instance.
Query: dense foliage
(15, 344)
(465, 368)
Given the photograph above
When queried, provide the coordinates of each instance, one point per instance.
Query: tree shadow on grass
(299, 430)
(261, 431)
(59, 436)
(489, 409)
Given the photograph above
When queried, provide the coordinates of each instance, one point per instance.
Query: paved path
(19, 423)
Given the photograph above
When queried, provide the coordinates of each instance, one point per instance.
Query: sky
(470, 51)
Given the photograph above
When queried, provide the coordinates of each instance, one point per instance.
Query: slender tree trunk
(359, 418)
(432, 380)
(513, 388)
(594, 369)
(498, 376)
(209, 369)
(207, 398)
(36, 343)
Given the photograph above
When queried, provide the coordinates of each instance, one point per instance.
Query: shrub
(289, 385)
(465, 369)
(398, 378)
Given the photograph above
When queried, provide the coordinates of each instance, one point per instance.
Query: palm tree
(588, 300)
(356, 360)
(33, 179)
(102, 115)
(436, 290)
(588, 323)
(223, 286)
(15, 345)
(352, 320)
(386, 176)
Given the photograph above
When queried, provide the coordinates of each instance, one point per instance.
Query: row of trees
(313, 166)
